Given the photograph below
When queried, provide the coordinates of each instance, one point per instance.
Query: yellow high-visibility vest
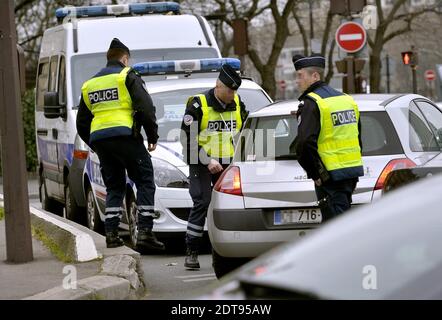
(218, 128)
(338, 141)
(109, 101)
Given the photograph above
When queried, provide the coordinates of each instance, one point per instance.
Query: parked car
(169, 89)
(389, 249)
(264, 198)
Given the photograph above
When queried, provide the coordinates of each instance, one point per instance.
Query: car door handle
(55, 133)
(42, 132)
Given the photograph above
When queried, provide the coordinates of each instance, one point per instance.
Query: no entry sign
(351, 37)
(430, 75)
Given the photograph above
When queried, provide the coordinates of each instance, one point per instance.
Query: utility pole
(17, 217)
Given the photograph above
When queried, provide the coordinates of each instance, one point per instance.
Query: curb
(121, 276)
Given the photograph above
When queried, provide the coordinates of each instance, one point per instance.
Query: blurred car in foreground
(400, 177)
(389, 249)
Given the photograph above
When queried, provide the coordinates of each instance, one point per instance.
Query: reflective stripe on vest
(338, 141)
(218, 128)
(109, 101)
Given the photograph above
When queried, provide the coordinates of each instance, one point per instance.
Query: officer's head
(227, 84)
(308, 70)
(119, 52)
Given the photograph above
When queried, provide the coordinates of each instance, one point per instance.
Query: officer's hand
(214, 167)
(318, 182)
(151, 147)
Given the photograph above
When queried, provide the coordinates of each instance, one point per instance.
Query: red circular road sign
(351, 37)
(430, 75)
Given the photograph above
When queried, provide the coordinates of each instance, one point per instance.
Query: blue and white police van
(75, 50)
(170, 84)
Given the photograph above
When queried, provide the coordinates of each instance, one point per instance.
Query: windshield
(173, 104)
(86, 66)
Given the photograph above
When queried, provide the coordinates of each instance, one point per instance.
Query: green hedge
(29, 131)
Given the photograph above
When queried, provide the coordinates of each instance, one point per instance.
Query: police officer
(328, 143)
(105, 121)
(211, 120)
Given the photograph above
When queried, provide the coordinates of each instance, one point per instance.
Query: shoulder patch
(188, 119)
(196, 105)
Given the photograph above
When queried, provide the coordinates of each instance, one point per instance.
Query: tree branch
(304, 35)
(326, 35)
(23, 4)
(256, 60)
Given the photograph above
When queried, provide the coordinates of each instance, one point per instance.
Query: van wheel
(73, 211)
(93, 216)
(131, 210)
(47, 203)
(222, 265)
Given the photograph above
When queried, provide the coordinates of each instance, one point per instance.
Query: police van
(170, 84)
(75, 50)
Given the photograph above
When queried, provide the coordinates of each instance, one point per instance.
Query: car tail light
(230, 182)
(80, 149)
(394, 164)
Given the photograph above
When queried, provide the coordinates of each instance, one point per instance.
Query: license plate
(297, 216)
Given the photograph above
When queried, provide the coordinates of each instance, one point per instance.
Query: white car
(169, 92)
(263, 200)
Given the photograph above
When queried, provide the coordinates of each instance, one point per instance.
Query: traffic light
(351, 68)
(407, 57)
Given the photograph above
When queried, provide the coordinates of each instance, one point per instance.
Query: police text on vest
(343, 117)
(103, 95)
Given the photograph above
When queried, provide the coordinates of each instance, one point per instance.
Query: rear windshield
(268, 138)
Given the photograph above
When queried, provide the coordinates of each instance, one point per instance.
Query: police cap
(315, 60)
(117, 44)
(229, 77)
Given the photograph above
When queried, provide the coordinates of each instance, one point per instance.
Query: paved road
(166, 277)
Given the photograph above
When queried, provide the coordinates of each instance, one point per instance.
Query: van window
(42, 84)
(53, 74)
(62, 81)
(85, 67)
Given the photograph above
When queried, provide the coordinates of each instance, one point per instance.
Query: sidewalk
(32, 186)
(18, 281)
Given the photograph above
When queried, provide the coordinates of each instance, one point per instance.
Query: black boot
(113, 240)
(191, 261)
(147, 240)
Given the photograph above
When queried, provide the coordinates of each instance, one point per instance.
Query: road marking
(349, 37)
(197, 277)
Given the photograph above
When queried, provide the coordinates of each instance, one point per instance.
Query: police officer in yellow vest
(105, 121)
(210, 121)
(328, 143)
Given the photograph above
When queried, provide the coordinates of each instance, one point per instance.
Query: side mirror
(52, 108)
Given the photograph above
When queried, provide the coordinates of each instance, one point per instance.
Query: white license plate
(297, 216)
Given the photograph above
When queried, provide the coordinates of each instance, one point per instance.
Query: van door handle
(55, 133)
(42, 132)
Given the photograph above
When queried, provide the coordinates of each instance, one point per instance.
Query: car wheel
(222, 265)
(73, 211)
(47, 203)
(132, 220)
(93, 216)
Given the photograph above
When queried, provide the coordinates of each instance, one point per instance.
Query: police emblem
(188, 119)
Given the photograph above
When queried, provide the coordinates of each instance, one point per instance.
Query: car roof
(365, 102)
(189, 83)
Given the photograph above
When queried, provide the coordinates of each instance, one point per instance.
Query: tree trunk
(269, 81)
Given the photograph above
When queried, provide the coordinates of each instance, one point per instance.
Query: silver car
(264, 198)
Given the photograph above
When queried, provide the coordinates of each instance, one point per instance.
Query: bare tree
(397, 22)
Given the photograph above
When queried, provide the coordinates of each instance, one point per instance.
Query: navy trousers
(336, 196)
(117, 155)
